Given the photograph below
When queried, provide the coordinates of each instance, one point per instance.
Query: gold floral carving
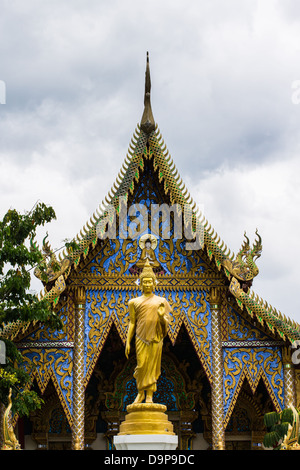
(99, 320)
(118, 255)
(101, 314)
(239, 328)
(42, 365)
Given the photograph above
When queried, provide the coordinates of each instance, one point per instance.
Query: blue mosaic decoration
(252, 364)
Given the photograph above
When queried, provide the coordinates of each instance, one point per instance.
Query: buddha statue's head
(147, 278)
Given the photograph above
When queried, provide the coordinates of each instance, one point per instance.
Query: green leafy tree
(277, 425)
(17, 302)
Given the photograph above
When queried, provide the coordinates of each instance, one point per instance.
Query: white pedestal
(146, 442)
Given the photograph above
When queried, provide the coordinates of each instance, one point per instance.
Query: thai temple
(227, 358)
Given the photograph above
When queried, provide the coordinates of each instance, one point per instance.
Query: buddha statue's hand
(161, 310)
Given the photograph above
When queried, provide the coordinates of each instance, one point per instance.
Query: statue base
(146, 442)
(146, 426)
(146, 418)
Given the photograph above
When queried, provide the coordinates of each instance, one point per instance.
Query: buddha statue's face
(147, 285)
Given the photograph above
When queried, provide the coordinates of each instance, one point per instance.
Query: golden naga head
(50, 268)
(244, 267)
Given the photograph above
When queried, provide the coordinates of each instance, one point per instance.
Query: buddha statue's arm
(131, 329)
(163, 317)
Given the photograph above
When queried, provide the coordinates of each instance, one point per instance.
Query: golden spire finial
(147, 122)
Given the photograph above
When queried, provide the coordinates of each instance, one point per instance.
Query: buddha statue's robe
(150, 330)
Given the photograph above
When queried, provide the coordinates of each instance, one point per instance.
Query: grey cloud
(221, 94)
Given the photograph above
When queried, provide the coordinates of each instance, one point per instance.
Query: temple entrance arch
(49, 426)
(182, 387)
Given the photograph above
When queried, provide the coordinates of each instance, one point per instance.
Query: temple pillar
(289, 378)
(78, 372)
(218, 432)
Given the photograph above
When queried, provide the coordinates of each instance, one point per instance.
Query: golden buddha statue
(148, 320)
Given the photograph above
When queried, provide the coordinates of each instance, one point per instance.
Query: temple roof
(240, 269)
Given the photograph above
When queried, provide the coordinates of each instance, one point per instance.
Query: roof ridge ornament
(147, 122)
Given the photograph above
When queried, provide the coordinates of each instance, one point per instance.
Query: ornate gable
(107, 270)
(149, 174)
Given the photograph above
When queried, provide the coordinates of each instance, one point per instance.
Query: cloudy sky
(225, 94)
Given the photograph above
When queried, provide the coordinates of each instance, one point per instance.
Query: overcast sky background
(222, 94)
